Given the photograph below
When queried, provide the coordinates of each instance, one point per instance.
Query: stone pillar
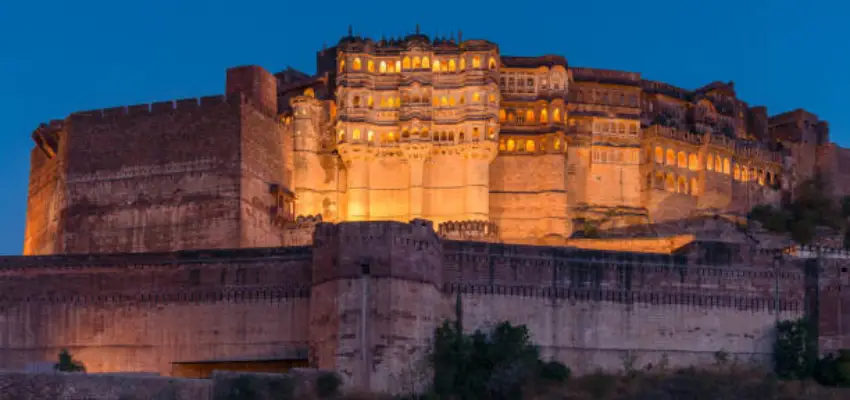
(357, 158)
(417, 154)
(477, 157)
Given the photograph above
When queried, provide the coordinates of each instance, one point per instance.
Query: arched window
(397, 66)
(492, 63)
(502, 116)
(659, 155)
(405, 64)
(694, 187)
(356, 134)
(452, 65)
(529, 116)
(383, 67)
(682, 186)
(557, 144)
(390, 102)
(391, 136)
(356, 101)
(683, 160)
(426, 62)
(491, 133)
(529, 145)
(709, 162)
(511, 145)
(462, 63)
(451, 101)
(370, 135)
(726, 165)
(737, 174)
(341, 66)
(370, 66)
(670, 183)
(475, 134)
(671, 157)
(544, 116)
(436, 65)
(718, 165)
(556, 115)
(370, 102)
(356, 64)
(476, 97)
(693, 162)
(460, 136)
(461, 99)
(417, 62)
(444, 101)
(476, 61)
(405, 134)
(745, 174)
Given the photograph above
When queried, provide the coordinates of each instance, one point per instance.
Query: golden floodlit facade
(526, 150)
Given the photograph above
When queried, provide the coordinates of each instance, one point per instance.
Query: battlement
(483, 231)
(190, 104)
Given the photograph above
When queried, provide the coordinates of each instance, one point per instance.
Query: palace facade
(530, 148)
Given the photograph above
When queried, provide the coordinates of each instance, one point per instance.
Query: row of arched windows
(615, 156)
(528, 145)
(529, 116)
(418, 63)
(714, 163)
(437, 101)
(680, 159)
(616, 127)
(440, 136)
(673, 183)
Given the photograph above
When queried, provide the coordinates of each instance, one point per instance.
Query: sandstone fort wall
(143, 312)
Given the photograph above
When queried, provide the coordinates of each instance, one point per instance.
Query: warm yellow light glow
(356, 64)
(426, 62)
(370, 66)
(383, 67)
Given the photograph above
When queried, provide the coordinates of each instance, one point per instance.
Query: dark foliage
(67, 363)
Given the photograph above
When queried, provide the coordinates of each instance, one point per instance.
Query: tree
(67, 363)
(495, 365)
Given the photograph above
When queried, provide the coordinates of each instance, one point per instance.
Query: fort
(335, 219)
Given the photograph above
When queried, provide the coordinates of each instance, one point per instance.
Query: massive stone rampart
(365, 298)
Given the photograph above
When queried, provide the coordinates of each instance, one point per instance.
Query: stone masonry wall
(604, 309)
(143, 312)
(153, 177)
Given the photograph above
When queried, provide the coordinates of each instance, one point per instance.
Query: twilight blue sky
(58, 56)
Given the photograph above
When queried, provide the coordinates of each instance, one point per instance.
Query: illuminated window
(370, 135)
(529, 116)
(417, 63)
(671, 157)
(398, 66)
(659, 155)
(492, 97)
(501, 145)
(370, 102)
(383, 67)
(556, 115)
(511, 145)
(452, 65)
(341, 135)
(356, 64)
(341, 65)
(370, 66)
(476, 97)
(683, 160)
(682, 186)
(436, 101)
(426, 62)
(693, 162)
(709, 163)
(492, 63)
(436, 67)
(356, 134)
(557, 144)
(492, 133)
(444, 101)
(476, 61)
(544, 117)
(670, 183)
(451, 101)
(309, 92)
(475, 134)
(406, 63)
(726, 165)
(390, 102)
(529, 145)
(391, 136)
(462, 63)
